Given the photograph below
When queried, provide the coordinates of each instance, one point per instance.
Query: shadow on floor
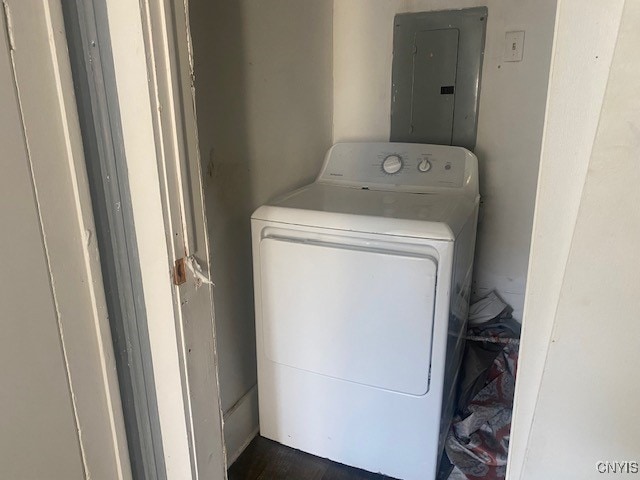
(267, 460)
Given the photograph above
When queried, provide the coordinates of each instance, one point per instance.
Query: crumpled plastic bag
(478, 441)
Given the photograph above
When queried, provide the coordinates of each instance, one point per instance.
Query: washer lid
(428, 215)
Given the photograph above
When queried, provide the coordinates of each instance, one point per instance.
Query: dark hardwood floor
(267, 460)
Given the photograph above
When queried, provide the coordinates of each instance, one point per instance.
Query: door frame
(87, 35)
(153, 71)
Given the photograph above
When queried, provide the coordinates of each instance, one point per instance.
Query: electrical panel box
(437, 63)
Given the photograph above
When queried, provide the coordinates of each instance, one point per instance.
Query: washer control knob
(424, 165)
(392, 164)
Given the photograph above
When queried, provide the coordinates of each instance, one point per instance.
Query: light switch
(513, 46)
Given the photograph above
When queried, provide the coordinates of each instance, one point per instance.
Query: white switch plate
(513, 46)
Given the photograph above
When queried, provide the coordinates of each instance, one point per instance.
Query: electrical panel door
(437, 61)
(433, 95)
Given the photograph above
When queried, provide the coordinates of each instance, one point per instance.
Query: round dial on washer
(392, 164)
(424, 165)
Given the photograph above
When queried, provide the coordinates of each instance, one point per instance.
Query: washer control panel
(399, 166)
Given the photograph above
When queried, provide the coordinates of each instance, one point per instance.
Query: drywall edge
(584, 42)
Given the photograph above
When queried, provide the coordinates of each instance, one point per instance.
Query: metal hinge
(8, 25)
(180, 271)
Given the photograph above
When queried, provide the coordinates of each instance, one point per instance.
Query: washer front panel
(350, 311)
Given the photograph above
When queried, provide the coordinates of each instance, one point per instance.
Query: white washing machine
(362, 284)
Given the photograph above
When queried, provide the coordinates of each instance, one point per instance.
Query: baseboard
(241, 425)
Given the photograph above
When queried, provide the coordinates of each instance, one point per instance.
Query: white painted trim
(241, 425)
(151, 53)
(136, 107)
(43, 77)
(170, 69)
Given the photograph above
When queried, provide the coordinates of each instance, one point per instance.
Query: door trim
(98, 110)
(153, 73)
(44, 83)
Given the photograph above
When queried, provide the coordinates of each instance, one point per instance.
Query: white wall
(511, 115)
(584, 42)
(587, 403)
(263, 77)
